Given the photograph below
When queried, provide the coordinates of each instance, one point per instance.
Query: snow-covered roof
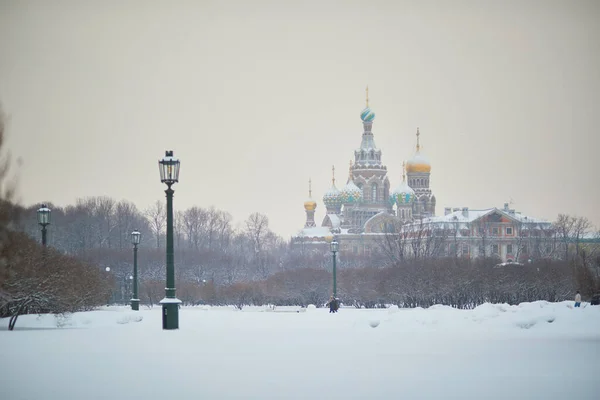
(335, 220)
(469, 216)
(458, 216)
(403, 188)
(317, 231)
(418, 158)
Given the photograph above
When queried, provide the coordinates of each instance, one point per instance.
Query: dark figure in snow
(332, 305)
(577, 299)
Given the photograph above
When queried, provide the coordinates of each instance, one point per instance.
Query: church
(364, 214)
(365, 204)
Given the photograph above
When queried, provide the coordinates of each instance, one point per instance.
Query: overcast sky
(256, 97)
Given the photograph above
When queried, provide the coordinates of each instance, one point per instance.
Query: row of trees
(207, 245)
(458, 283)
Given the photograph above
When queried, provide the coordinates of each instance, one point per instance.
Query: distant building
(493, 232)
(364, 215)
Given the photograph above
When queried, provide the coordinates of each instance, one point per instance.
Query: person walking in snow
(331, 304)
(577, 299)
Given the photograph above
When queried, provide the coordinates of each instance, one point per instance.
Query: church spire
(403, 171)
(418, 144)
(333, 175)
(367, 96)
(309, 206)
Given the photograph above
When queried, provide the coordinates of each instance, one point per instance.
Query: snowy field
(531, 351)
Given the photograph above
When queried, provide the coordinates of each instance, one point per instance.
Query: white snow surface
(531, 351)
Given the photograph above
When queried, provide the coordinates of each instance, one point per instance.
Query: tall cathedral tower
(418, 170)
(369, 174)
(309, 206)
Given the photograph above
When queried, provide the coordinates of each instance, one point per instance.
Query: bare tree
(105, 207)
(581, 227)
(482, 227)
(194, 221)
(394, 245)
(564, 226)
(178, 228)
(257, 228)
(157, 217)
(125, 216)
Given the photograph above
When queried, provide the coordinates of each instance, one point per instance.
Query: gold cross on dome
(333, 174)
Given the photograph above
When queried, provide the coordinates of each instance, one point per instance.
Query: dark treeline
(218, 264)
(458, 283)
(207, 246)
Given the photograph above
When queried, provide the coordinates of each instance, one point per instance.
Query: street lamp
(169, 174)
(136, 237)
(110, 295)
(334, 249)
(43, 216)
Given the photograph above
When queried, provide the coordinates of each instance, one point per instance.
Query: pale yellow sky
(257, 96)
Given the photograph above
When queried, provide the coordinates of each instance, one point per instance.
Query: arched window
(360, 186)
(374, 192)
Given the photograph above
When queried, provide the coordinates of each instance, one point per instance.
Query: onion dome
(403, 194)
(310, 204)
(419, 163)
(367, 115)
(332, 198)
(351, 194)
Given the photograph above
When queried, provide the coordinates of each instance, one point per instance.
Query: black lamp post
(169, 174)
(110, 295)
(43, 216)
(334, 249)
(136, 237)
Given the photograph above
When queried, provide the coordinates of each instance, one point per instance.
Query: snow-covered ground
(531, 351)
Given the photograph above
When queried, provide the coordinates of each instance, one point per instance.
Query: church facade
(366, 215)
(366, 204)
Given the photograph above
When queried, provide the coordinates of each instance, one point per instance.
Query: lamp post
(43, 216)
(169, 174)
(110, 295)
(334, 249)
(136, 237)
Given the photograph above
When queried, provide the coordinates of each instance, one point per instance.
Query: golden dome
(310, 205)
(419, 163)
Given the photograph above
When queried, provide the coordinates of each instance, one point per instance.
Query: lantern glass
(169, 168)
(43, 215)
(334, 246)
(136, 237)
